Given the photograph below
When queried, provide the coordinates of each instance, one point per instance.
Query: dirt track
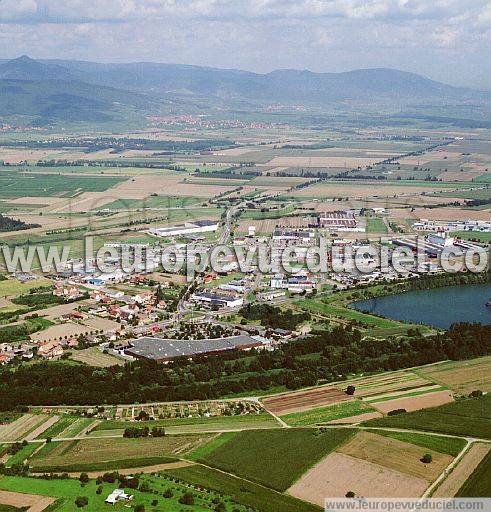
(35, 502)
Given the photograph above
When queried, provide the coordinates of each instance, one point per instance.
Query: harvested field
(18, 429)
(55, 331)
(305, 400)
(95, 357)
(338, 473)
(37, 432)
(396, 455)
(414, 403)
(335, 412)
(449, 214)
(36, 503)
(464, 469)
(461, 376)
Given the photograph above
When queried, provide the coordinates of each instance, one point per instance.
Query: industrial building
(198, 226)
(163, 350)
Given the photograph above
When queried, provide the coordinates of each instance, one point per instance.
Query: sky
(447, 40)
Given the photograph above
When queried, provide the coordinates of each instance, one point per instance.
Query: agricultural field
(300, 401)
(461, 376)
(24, 426)
(471, 417)
(274, 458)
(479, 483)
(344, 412)
(371, 465)
(107, 454)
(464, 477)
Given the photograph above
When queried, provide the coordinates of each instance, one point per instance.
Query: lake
(438, 307)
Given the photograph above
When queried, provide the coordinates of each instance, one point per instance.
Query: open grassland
(376, 225)
(345, 410)
(470, 417)
(95, 454)
(479, 482)
(396, 455)
(95, 357)
(212, 424)
(300, 401)
(461, 376)
(275, 458)
(247, 493)
(466, 470)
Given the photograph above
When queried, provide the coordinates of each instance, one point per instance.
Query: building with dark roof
(163, 349)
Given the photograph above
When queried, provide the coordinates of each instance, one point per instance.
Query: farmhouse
(163, 350)
(118, 495)
(198, 226)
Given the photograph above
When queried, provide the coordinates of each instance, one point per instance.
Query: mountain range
(74, 91)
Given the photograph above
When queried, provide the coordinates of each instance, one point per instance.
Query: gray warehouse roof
(165, 349)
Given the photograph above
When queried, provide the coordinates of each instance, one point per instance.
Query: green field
(449, 445)
(22, 455)
(478, 485)
(203, 451)
(324, 308)
(470, 417)
(10, 287)
(274, 458)
(66, 491)
(13, 184)
(58, 427)
(326, 414)
(250, 494)
(376, 225)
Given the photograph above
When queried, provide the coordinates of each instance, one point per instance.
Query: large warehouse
(163, 350)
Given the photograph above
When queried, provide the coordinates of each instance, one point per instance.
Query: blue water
(439, 307)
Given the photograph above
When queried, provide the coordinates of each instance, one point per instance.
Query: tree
(81, 501)
(350, 494)
(168, 494)
(350, 390)
(139, 508)
(186, 499)
(84, 478)
(426, 458)
(99, 490)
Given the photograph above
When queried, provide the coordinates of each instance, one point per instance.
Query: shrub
(426, 458)
(81, 501)
(187, 499)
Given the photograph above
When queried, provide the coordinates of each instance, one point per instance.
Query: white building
(198, 226)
